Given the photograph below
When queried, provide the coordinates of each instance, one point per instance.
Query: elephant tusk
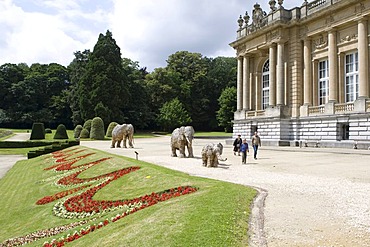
(187, 139)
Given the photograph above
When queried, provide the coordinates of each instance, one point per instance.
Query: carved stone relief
(348, 34)
(348, 38)
(329, 20)
(273, 35)
(320, 43)
(359, 8)
(240, 49)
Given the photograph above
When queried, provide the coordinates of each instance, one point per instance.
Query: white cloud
(147, 31)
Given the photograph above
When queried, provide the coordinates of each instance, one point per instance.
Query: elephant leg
(119, 143)
(173, 149)
(182, 151)
(215, 164)
(190, 150)
(204, 160)
(124, 142)
(130, 142)
(113, 143)
(209, 161)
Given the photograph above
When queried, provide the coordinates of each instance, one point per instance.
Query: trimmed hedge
(25, 144)
(97, 129)
(52, 148)
(87, 125)
(61, 132)
(85, 133)
(38, 131)
(110, 129)
(77, 131)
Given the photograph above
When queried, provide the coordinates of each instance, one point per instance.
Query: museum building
(303, 74)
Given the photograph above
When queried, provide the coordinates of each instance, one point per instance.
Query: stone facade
(303, 74)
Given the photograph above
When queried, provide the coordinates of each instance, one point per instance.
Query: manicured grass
(21, 151)
(215, 215)
(213, 134)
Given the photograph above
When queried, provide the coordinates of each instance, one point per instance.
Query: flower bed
(78, 203)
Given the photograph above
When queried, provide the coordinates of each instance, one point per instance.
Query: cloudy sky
(147, 31)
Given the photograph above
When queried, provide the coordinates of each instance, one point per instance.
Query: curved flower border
(82, 205)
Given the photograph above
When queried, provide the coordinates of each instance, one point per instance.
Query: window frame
(323, 81)
(265, 89)
(351, 77)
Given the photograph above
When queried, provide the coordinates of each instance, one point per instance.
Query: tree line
(191, 90)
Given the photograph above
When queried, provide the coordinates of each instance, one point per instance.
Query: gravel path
(308, 196)
(311, 196)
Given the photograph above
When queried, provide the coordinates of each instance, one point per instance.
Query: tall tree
(103, 84)
(194, 87)
(227, 102)
(137, 111)
(76, 69)
(163, 85)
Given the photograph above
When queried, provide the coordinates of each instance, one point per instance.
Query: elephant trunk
(220, 158)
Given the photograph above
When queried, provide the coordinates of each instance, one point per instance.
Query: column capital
(361, 19)
(331, 30)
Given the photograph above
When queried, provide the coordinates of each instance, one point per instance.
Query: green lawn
(216, 214)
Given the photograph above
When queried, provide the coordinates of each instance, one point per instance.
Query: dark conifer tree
(103, 84)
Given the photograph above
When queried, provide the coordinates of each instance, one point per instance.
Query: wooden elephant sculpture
(123, 132)
(182, 137)
(211, 154)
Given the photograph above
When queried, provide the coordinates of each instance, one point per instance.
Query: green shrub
(87, 125)
(38, 131)
(77, 131)
(61, 132)
(97, 129)
(110, 129)
(85, 133)
(48, 130)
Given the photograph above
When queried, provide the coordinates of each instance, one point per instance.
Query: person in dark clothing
(244, 149)
(237, 143)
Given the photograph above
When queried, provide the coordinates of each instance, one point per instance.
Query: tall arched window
(265, 84)
(351, 71)
(323, 82)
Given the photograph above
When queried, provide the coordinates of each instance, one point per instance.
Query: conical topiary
(110, 129)
(97, 129)
(87, 125)
(61, 132)
(85, 133)
(38, 131)
(77, 131)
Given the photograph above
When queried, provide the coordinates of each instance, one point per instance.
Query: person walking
(237, 142)
(256, 142)
(244, 149)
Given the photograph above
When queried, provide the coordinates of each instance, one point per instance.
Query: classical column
(341, 79)
(272, 58)
(333, 66)
(363, 59)
(239, 85)
(280, 74)
(258, 90)
(307, 71)
(246, 86)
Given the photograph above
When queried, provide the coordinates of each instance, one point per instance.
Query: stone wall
(329, 131)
